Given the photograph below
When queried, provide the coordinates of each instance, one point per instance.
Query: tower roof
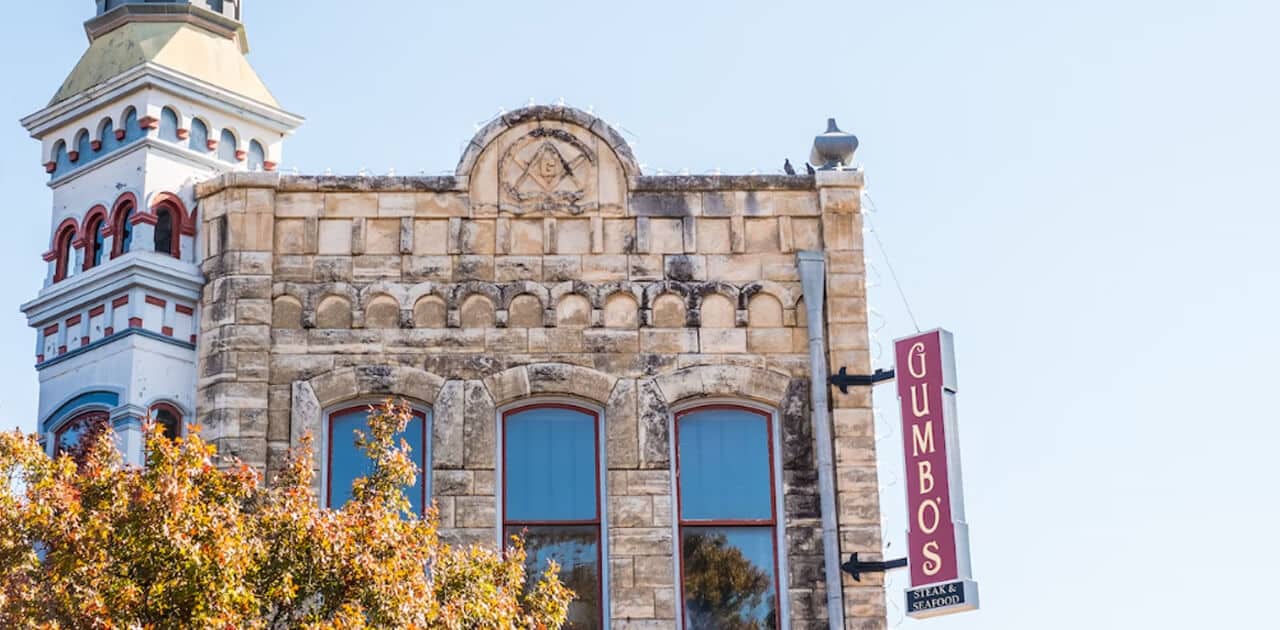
(203, 39)
(179, 46)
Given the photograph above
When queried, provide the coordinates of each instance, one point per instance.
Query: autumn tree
(187, 543)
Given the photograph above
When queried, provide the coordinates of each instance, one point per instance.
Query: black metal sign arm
(844, 380)
(856, 568)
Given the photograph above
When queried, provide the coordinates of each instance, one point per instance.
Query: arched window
(169, 418)
(346, 462)
(166, 237)
(107, 135)
(96, 238)
(199, 140)
(257, 155)
(727, 517)
(228, 147)
(551, 495)
(84, 147)
(62, 248)
(122, 227)
(61, 159)
(132, 131)
(169, 125)
(68, 437)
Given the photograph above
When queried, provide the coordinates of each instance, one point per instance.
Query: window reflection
(728, 526)
(348, 462)
(551, 493)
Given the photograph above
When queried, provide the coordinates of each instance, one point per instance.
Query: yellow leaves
(186, 543)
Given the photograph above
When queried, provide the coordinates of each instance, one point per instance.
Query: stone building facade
(549, 272)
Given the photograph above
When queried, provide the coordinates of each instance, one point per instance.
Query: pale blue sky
(1083, 192)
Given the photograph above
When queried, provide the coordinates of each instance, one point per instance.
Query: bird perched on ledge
(788, 168)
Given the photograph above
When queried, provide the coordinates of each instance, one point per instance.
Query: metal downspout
(813, 278)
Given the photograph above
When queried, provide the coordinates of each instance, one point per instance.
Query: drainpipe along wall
(813, 278)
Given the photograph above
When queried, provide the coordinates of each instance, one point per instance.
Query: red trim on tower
(193, 339)
(183, 224)
(120, 301)
(39, 358)
(74, 156)
(62, 350)
(63, 240)
(148, 122)
(183, 309)
(269, 166)
(84, 341)
(212, 145)
(183, 134)
(124, 203)
(155, 301)
(96, 145)
(73, 320)
(108, 331)
(166, 331)
(142, 217)
(50, 331)
(241, 155)
(135, 322)
(50, 167)
(96, 214)
(120, 134)
(97, 311)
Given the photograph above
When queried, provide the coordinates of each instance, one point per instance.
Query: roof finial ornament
(833, 149)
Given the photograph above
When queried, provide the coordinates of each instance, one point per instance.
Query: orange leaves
(187, 542)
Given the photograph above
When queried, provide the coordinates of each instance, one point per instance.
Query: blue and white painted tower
(162, 99)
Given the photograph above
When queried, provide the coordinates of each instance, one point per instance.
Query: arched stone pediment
(548, 161)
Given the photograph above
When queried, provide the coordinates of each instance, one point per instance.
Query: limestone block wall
(547, 267)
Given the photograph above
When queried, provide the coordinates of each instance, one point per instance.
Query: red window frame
(95, 221)
(177, 413)
(771, 522)
(120, 220)
(83, 417)
(595, 522)
(367, 410)
(63, 245)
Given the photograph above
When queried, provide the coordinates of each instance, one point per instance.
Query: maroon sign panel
(926, 388)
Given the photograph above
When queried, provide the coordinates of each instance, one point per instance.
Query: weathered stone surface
(639, 296)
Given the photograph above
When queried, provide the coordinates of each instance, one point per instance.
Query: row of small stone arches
(572, 304)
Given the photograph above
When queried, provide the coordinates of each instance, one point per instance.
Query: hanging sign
(938, 538)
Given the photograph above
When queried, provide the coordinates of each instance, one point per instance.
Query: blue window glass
(347, 462)
(124, 231)
(61, 158)
(199, 139)
(551, 465)
(99, 240)
(68, 437)
(227, 147)
(107, 132)
(132, 131)
(168, 125)
(551, 493)
(728, 527)
(85, 147)
(729, 577)
(724, 465)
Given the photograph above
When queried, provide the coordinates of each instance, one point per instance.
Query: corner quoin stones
(548, 265)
